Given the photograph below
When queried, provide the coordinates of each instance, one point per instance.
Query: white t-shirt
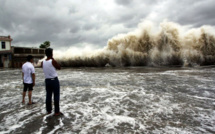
(28, 70)
(49, 70)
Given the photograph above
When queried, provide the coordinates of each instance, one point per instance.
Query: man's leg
(48, 97)
(56, 96)
(29, 97)
(23, 97)
(24, 93)
(30, 89)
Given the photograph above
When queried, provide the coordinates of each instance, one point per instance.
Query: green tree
(46, 44)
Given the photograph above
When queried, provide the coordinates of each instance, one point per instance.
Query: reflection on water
(114, 100)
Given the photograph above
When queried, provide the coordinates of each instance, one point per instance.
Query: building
(5, 51)
(19, 55)
(12, 56)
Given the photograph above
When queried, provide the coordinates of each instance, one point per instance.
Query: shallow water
(114, 100)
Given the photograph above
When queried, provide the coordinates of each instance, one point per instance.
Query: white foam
(111, 101)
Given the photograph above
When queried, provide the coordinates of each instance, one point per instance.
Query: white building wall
(7, 45)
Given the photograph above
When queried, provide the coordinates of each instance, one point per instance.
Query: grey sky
(67, 23)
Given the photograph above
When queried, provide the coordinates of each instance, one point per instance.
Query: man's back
(48, 69)
(28, 70)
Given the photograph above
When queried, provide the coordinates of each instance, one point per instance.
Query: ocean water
(131, 100)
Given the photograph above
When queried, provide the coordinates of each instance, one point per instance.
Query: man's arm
(33, 78)
(55, 64)
(23, 77)
(33, 75)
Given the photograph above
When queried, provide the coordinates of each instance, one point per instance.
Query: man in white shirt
(28, 76)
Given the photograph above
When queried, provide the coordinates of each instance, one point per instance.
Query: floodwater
(131, 100)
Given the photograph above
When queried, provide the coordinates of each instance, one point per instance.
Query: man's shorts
(27, 87)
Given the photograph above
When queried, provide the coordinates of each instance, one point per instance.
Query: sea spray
(149, 45)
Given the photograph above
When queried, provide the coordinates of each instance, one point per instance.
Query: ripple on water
(114, 101)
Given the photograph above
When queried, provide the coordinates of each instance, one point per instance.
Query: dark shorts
(27, 87)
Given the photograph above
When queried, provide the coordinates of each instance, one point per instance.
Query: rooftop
(5, 38)
(27, 47)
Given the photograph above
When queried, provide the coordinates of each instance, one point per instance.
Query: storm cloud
(78, 23)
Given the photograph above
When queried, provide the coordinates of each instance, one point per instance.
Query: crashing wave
(149, 45)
